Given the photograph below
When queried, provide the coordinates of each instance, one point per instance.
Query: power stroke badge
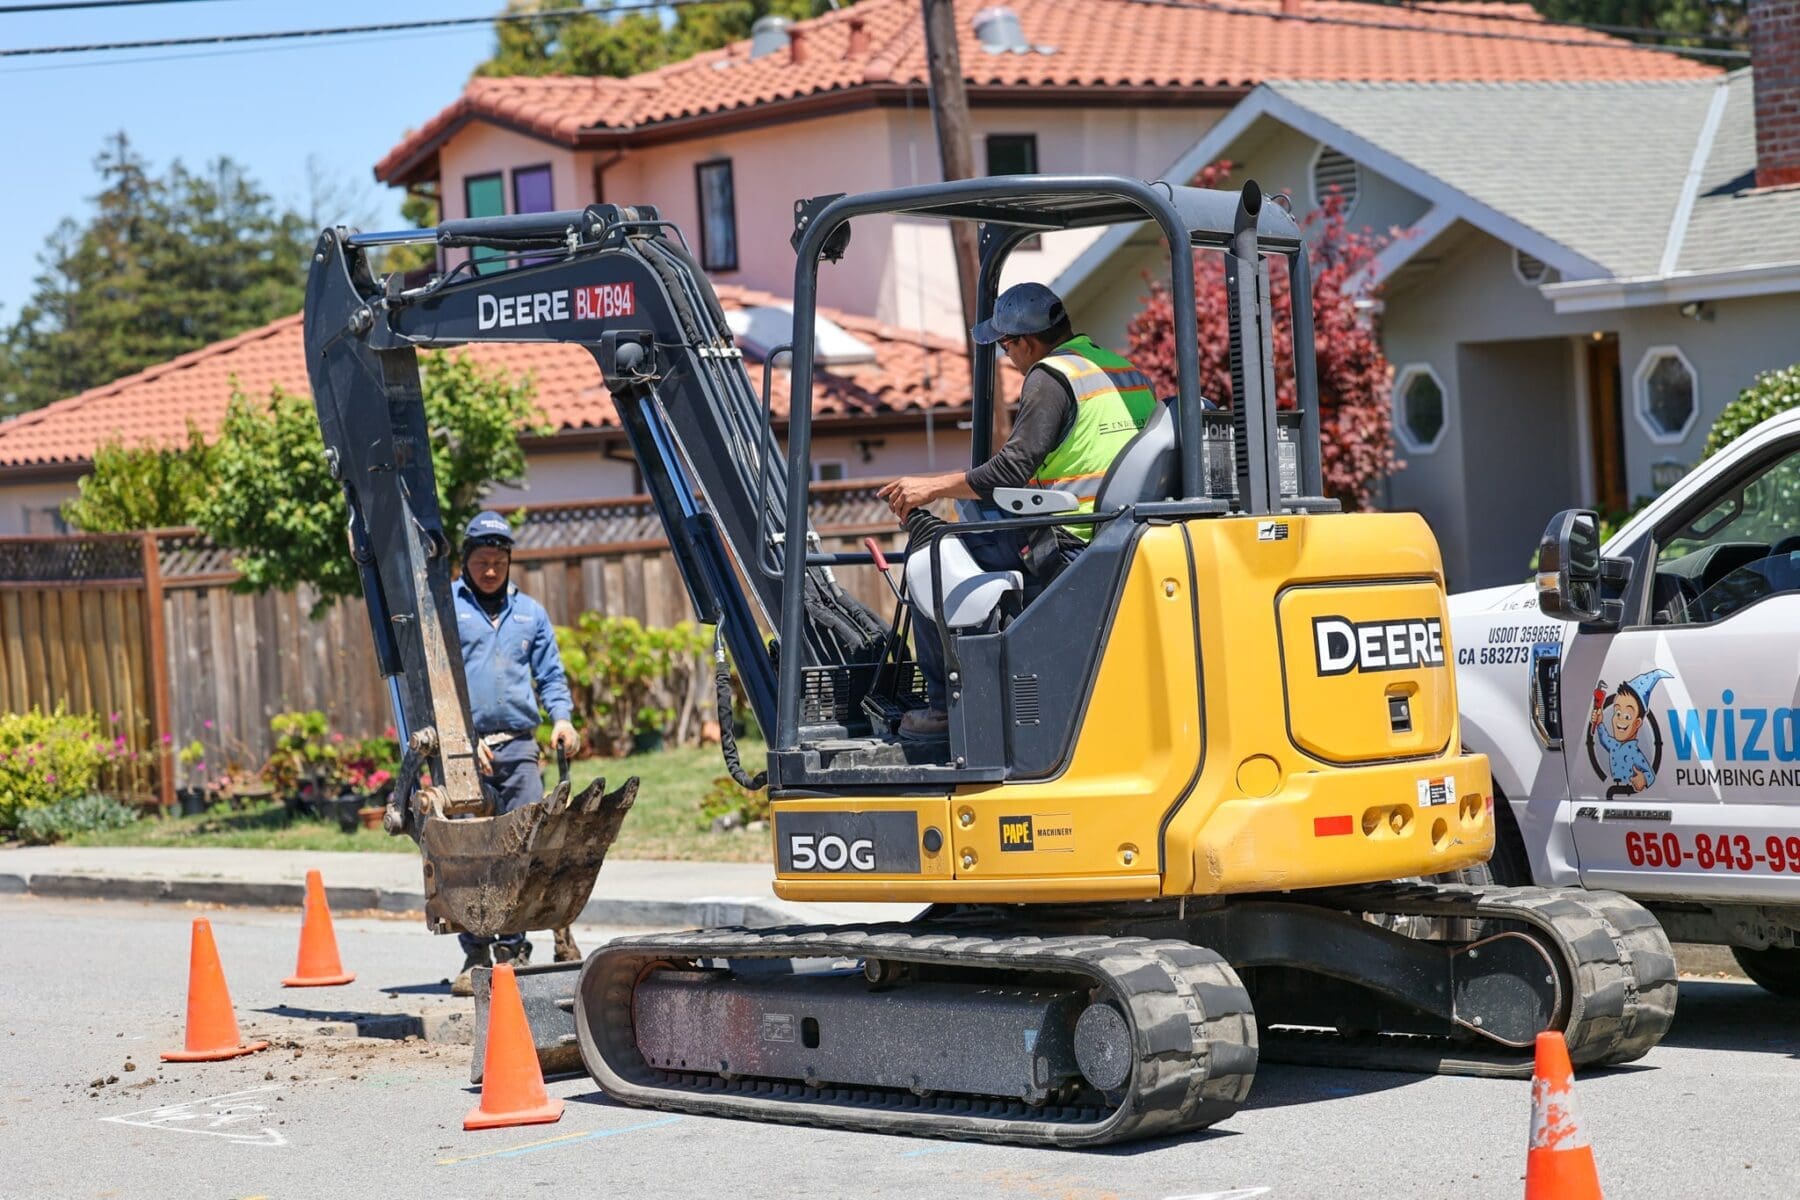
(872, 843)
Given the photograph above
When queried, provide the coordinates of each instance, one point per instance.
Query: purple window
(531, 190)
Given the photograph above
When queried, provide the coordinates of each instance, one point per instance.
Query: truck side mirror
(1573, 582)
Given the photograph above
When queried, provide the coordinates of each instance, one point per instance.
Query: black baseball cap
(1021, 309)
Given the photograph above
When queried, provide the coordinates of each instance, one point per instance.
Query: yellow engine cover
(1275, 709)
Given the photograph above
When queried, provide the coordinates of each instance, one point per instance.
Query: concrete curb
(700, 912)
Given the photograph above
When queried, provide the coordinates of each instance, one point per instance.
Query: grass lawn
(664, 823)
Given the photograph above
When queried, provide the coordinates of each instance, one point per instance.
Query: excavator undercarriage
(1194, 792)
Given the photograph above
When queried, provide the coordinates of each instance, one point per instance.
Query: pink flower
(167, 738)
(207, 723)
(337, 737)
(49, 776)
(379, 778)
(391, 733)
(113, 717)
(118, 739)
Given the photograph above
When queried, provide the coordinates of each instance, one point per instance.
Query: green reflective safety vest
(1113, 400)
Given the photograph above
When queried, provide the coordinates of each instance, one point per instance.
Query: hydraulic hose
(727, 735)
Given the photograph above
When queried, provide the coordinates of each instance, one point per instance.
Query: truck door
(1681, 731)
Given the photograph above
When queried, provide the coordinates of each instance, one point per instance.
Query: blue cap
(488, 529)
(1021, 309)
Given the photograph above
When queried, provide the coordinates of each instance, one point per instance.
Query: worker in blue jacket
(512, 667)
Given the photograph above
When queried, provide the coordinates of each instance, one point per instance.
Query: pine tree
(163, 265)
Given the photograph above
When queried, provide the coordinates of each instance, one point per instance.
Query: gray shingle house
(1583, 275)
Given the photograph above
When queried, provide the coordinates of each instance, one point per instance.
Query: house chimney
(1775, 75)
(796, 47)
(859, 39)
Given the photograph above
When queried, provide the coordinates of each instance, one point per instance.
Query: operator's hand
(1638, 782)
(484, 758)
(908, 492)
(563, 737)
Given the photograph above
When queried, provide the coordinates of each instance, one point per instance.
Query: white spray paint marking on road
(1249, 1193)
(225, 1116)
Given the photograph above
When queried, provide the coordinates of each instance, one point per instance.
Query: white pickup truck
(1640, 705)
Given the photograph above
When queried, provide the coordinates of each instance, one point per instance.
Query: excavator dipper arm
(613, 281)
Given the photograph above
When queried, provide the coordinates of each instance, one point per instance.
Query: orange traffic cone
(318, 965)
(512, 1084)
(1560, 1164)
(212, 1029)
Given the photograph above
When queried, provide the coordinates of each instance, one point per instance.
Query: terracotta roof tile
(912, 371)
(1085, 44)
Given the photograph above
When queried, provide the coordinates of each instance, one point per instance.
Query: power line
(222, 39)
(1466, 13)
(652, 5)
(66, 5)
(1478, 34)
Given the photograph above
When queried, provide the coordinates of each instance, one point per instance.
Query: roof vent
(768, 35)
(999, 30)
(1530, 270)
(762, 327)
(1333, 169)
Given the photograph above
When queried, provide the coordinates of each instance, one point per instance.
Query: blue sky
(345, 100)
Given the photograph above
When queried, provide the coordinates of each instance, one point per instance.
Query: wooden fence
(87, 620)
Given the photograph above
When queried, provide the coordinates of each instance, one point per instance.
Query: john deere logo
(1624, 742)
(1015, 833)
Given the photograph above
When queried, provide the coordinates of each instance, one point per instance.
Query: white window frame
(1312, 177)
(1407, 374)
(1640, 395)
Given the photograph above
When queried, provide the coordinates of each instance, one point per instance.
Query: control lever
(881, 564)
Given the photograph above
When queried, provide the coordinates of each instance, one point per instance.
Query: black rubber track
(1618, 973)
(1190, 1020)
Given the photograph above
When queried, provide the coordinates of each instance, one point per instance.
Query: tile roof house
(1584, 274)
(724, 142)
(871, 407)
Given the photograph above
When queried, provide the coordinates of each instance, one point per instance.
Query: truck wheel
(1509, 865)
(1775, 969)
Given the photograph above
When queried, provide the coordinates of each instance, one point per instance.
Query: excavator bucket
(532, 868)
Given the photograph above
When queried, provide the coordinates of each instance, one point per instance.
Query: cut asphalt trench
(96, 985)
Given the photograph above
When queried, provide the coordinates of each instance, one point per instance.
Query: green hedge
(46, 758)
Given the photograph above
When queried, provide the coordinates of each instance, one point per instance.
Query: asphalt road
(90, 985)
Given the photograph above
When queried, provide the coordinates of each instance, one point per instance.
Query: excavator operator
(1079, 406)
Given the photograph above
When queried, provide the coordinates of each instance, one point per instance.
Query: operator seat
(1147, 469)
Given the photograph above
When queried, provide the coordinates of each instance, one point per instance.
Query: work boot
(516, 953)
(566, 949)
(465, 982)
(925, 724)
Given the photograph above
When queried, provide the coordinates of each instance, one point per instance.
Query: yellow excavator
(1197, 797)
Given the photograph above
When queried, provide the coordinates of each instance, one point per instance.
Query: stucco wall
(482, 149)
(897, 272)
(1470, 294)
(18, 501)
(1742, 338)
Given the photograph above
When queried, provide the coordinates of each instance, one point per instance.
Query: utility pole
(956, 153)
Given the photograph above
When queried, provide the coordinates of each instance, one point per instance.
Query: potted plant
(647, 728)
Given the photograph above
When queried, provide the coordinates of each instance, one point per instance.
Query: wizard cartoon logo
(1623, 731)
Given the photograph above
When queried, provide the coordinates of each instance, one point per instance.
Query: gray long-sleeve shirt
(1046, 413)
